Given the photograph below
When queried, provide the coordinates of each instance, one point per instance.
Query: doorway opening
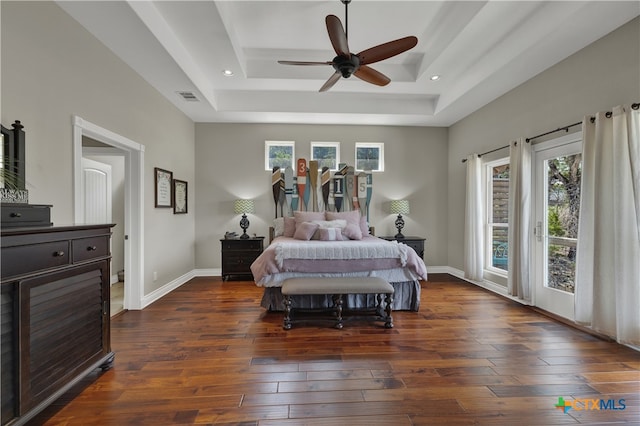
(133, 222)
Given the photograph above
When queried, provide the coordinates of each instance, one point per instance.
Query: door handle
(538, 230)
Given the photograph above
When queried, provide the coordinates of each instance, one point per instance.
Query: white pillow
(339, 223)
(278, 227)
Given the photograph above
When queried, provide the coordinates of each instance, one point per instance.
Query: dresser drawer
(18, 260)
(239, 262)
(89, 248)
(19, 215)
(238, 244)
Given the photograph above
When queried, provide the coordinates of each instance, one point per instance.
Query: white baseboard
(114, 279)
(486, 284)
(166, 289)
(216, 272)
(210, 272)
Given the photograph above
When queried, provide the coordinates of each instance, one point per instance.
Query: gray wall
(230, 165)
(598, 77)
(52, 68)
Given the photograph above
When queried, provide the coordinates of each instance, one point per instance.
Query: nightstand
(416, 243)
(238, 255)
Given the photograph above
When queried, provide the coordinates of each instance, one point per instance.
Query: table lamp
(399, 207)
(244, 207)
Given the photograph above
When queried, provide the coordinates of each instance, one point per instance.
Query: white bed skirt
(406, 297)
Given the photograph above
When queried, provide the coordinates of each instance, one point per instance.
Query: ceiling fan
(347, 64)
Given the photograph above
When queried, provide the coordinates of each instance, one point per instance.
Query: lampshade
(399, 207)
(244, 206)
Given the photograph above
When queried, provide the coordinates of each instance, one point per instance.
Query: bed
(291, 257)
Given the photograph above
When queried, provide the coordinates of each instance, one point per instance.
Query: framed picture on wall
(163, 192)
(179, 196)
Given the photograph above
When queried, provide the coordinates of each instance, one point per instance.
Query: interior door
(97, 191)
(557, 173)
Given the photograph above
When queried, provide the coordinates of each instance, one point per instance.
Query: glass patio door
(557, 177)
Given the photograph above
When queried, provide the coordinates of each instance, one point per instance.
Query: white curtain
(607, 295)
(518, 284)
(474, 221)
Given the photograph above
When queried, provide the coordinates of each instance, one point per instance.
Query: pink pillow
(307, 217)
(305, 230)
(364, 226)
(328, 234)
(353, 218)
(352, 231)
(289, 227)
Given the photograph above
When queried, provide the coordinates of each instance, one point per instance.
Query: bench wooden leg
(337, 301)
(287, 313)
(389, 320)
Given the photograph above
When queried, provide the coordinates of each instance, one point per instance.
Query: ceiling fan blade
(387, 50)
(337, 35)
(304, 63)
(370, 75)
(332, 80)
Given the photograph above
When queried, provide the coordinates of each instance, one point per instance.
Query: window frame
(489, 225)
(335, 145)
(379, 146)
(267, 158)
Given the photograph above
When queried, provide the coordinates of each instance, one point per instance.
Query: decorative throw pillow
(278, 227)
(289, 227)
(328, 234)
(307, 217)
(352, 231)
(364, 226)
(353, 218)
(305, 230)
(331, 223)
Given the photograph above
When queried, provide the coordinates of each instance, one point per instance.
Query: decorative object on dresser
(416, 243)
(399, 207)
(55, 326)
(15, 210)
(243, 207)
(180, 199)
(238, 255)
(163, 184)
(12, 172)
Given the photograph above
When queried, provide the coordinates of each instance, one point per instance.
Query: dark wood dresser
(55, 313)
(237, 256)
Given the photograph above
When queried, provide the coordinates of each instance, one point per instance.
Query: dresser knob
(16, 215)
(92, 248)
(58, 254)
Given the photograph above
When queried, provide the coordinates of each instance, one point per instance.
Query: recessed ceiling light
(227, 73)
(435, 77)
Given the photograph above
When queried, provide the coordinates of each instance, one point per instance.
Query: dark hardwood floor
(209, 354)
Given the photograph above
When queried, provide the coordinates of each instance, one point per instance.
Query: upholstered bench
(336, 287)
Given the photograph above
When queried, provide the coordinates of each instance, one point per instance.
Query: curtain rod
(464, 160)
(608, 114)
(559, 129)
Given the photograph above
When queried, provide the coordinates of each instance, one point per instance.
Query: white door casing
(133, 153)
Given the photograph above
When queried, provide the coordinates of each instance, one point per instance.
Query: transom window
(327, 154)
(279, 153)
(370, 156)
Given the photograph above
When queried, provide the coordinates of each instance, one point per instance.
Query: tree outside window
(370, 156)
(279, 153)
(497, 174)
(327, 154)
